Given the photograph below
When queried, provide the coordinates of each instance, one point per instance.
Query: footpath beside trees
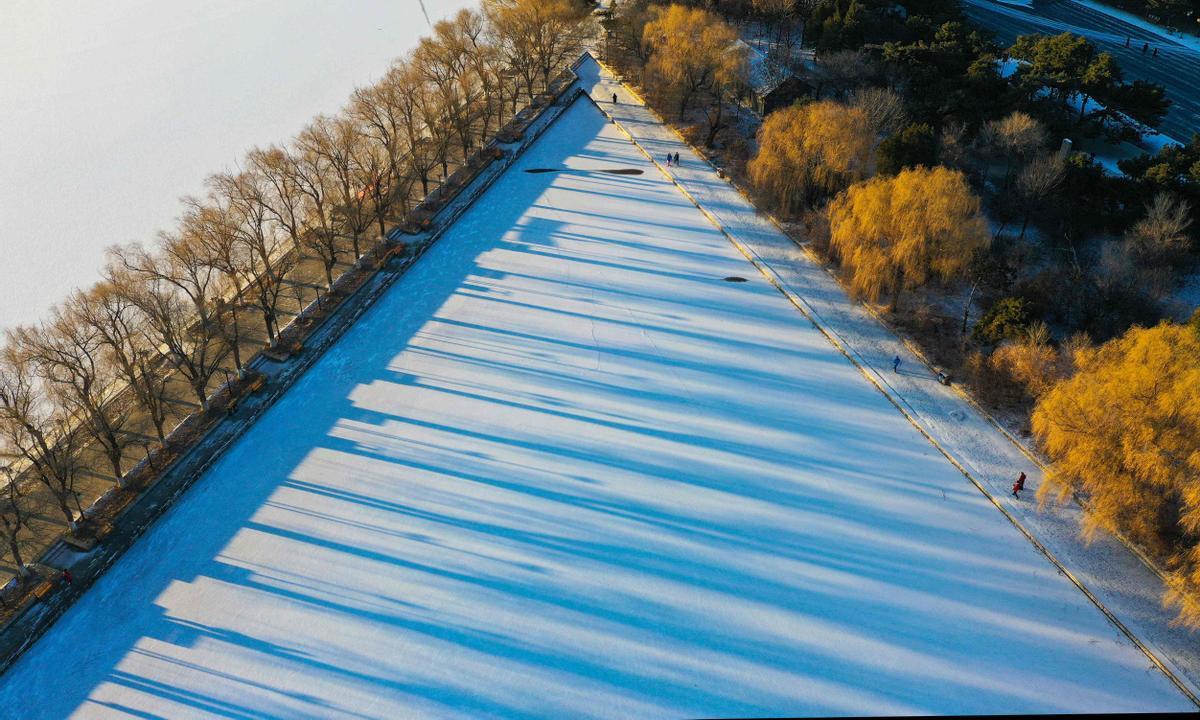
(894, 234)
(1124, 431)
(689, 58)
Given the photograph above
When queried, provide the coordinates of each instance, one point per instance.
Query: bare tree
(372, 174)
(14, 512)
(208, 230)
(1161, 238)
(485, 63)
(264, 258)
(282, 199)
(68, 354)
(176, 293)
(378, 110)
(537, 37)
(327, 164)
(694, 51)
(510, 37)
(730, 76)
(780, 15)
(1036, 181)
(37, 432)
(884, 109)
(315, 182)
(123, 329)
(845, 70)
(444, 63)
(1015, 138)
(417, 107)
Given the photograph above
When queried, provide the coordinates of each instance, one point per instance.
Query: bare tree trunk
(328, 264)
(12, 516)
(14, 548)
(897, 287)
(967, 307)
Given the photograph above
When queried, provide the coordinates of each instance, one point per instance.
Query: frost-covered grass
(563, 469)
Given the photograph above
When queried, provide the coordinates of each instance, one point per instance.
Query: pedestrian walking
(1155, 53)
(676, 158)
(1145, 47)
(668, 159)
(67, 576)
(615, 95)
(1126, 41)
(1018, 486)
(896, 364)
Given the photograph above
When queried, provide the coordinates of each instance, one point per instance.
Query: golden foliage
(1125, 431)
(899, 232)
(809, 151)
(1032, 363)
(693, 51)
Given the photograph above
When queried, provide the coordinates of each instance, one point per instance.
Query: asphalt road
(1177, 67)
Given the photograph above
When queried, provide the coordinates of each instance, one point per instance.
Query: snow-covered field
(563, 469)
(113, 110)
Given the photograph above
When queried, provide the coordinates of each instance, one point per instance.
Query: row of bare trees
(106, 368)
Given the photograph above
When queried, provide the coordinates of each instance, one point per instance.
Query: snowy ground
(1116, 576)
(564, 469)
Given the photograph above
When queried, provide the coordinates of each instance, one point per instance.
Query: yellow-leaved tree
(810, 151)
(693, 52)
(896, 233)
(1124, 432)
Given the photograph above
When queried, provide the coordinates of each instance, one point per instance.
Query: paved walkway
(1118, 580)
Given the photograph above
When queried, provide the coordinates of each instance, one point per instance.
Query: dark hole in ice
(735, 278)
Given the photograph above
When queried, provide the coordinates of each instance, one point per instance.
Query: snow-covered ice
(115, 109)
(563, 468)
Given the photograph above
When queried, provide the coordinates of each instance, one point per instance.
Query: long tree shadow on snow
(631, 503)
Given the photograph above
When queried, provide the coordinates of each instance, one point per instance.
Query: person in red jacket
(1018, 486)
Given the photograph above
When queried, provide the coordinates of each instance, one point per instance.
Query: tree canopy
(1125, 431)
(913, 146)
(1076, 72)
(807, 152)
(693, 51)
(895, 233)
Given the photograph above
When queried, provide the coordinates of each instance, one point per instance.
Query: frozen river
(564, 469)
(112, 110)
